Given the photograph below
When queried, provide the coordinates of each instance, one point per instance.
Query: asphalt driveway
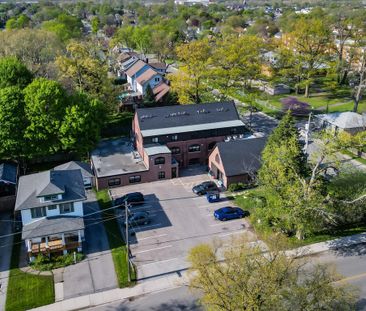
(95, 273)
(179, 221)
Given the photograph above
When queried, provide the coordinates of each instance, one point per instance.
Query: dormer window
(48, 198)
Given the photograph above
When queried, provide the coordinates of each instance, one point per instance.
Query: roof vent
(146, 116)
(220, 109)
(202, 111)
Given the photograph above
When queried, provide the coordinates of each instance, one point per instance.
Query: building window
(157, 79)
(66, 208)
(134, 179)
(38, 212)
(161, 175)
(114, 182)
(233, 130)
(50, 197)
(155, 139)
(52, 207)
(174, 137)
(211, 145)
(159, 160)
(194, 148)
(175, 150)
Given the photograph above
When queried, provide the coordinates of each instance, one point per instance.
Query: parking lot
(179, 221)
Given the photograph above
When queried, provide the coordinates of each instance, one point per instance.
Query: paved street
(180, 220)
(260, 123)
(5, 254)
(350, 262)
(96, 273)
(178, 299)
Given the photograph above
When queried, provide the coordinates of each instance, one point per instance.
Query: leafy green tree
(189, 81)
(13, 123)
(45, 105)
(95, 24)
(149, 97)
(124, 36)
(13, 73)
(245, 278)
(142, 38)
(11, 23)
(64, 26)
(80, 129)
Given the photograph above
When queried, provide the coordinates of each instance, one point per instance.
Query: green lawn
(118, 124)
(116, 241)
(26, 291)
(354, 157)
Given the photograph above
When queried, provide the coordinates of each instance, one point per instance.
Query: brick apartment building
(165, 139)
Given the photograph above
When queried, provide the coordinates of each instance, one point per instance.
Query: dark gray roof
(31, 187)
(241, 156)
(85, 168)
(183, 115)
(52, 225)
(8, 173)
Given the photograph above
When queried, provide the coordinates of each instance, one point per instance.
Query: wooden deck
(53, 246)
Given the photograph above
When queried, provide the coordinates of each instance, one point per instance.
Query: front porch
(61, 243)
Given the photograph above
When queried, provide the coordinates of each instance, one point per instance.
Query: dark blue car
(227, 213)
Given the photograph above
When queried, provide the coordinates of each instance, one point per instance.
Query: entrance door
(174, 172)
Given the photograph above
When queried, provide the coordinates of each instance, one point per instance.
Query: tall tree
(45, 104)
(13, 123)
(245, 278)
(306, 49)
(65, 26)
(14, 73)
(190, 80)
(80, 129)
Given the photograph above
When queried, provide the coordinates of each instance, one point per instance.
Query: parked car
(205, 187)
(227, 213)
(133, 198)
(138, 219)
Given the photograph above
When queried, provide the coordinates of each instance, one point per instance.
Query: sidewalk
(176, 280)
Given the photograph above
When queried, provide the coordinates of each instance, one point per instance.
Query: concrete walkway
(6, 244)
(180, 279)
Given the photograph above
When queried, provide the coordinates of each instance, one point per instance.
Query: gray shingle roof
(182, 115)
(52, 225)
(8, 173)
(241, 156)
(345, 120)
(85, 168)
(47, 183)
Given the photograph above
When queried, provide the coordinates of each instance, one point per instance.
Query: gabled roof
(185, 115)
(345, 120)
(85, 168)
(241, 156)
(158, 65)
(160, 90)
(31, 187)
(52, 225)
(146, 76)
(8, 173)
(135, 68)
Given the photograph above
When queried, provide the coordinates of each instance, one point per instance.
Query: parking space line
(144, 227)
(151, 237)
(152, 249)
(157, 262)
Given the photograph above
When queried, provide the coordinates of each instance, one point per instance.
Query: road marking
(351, 278)
(152, 249)
(144, 227)
(151, 237)
(157, 262)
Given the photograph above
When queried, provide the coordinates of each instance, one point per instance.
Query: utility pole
(127, 243)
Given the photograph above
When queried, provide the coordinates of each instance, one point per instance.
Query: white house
(51, 207)
(137, 69)
(149, 77)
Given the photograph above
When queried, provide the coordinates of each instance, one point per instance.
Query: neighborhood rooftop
(135, 68)
(345, 120)
(241, 156)
(116, 157)
(76, 165)
(146, 76)
(31, 187)
(186, 115)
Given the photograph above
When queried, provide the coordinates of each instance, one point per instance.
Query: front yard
(26, 291)
(115, 239)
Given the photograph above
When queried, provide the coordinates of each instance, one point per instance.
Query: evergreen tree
(149, 97)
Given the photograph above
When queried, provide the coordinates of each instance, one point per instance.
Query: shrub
(240, 186)
(44, 263)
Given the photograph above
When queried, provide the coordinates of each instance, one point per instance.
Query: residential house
(51, 208)
(158, 67)
(138, 68)
(350, 122)
(148, 78)
(166, 139)
(236, 161)
(85, 168)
